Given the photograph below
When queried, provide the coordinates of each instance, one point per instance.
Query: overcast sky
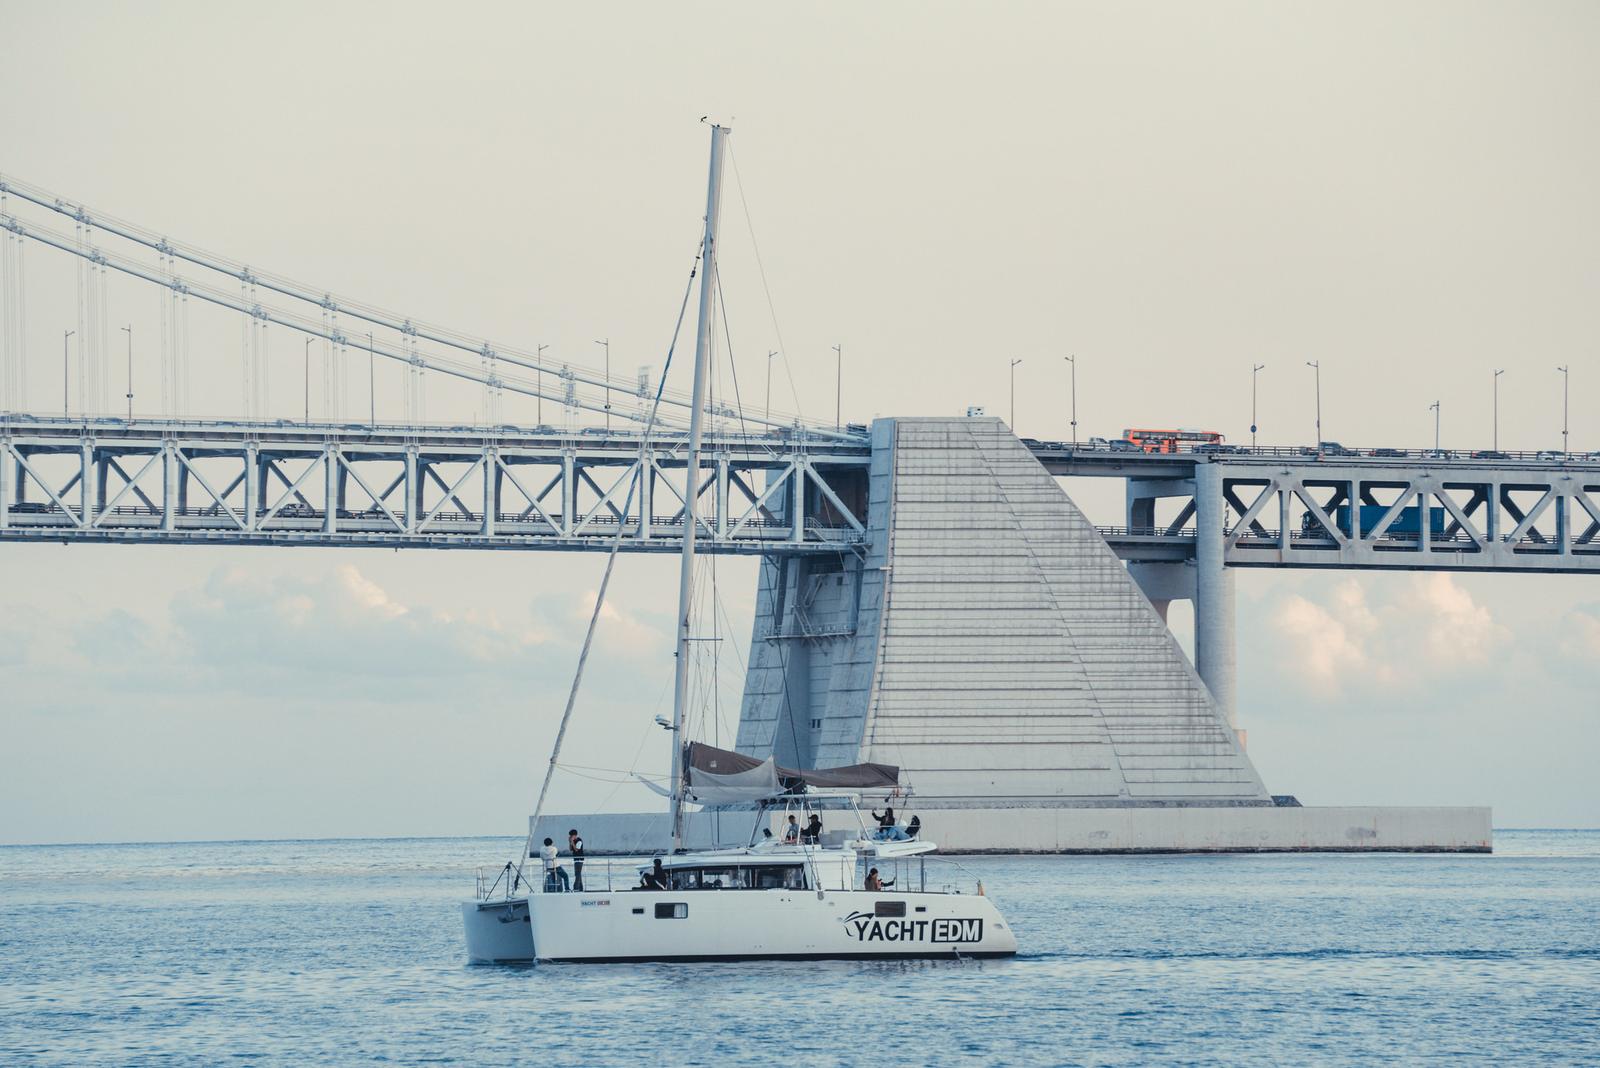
(1404, 193)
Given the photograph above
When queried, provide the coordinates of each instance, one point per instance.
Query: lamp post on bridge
(770, 355)
(1497, 375)
(64, 367)
(1014, 393)
(129, 331)
(838, 386)
(309, 340)
(1316, 365)
(1254, 370)
(1435, 408)
(538, 384)
(1073, 362)
(1566, 380)
(606, 344)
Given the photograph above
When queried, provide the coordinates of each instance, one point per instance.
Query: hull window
(889, 908)
(672, 910)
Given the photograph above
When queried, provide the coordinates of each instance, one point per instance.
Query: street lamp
(372, 384)
(129, 331)
(1254, 370)
(309, 340)
(607, 345)
(1497, 375)
(1316, 365)
(65, 335)
(1435, 409)
(1014, 394)
(838, 386)
(770, 355)
(1566, 380)
(538, 383)
(1073, 361)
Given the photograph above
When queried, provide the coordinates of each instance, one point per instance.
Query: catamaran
(806, 893)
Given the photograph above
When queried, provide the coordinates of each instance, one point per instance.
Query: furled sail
(721, 776)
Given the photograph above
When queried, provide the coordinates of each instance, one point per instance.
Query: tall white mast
(702, 352)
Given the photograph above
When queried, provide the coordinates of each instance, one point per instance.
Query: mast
(702, 348)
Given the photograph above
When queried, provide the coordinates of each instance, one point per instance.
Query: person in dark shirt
(575, 847)
(885, 821)
(875, 882)
(813, 830)
(655, 878)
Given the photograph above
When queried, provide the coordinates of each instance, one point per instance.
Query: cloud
(1580, 633)
(1429, 627)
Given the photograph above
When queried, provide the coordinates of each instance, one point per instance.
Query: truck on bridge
(1407, 524)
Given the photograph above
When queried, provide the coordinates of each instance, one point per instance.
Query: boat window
(719, 879)
(684, 878)
(889, 908)
(778, 877)
(672, 910)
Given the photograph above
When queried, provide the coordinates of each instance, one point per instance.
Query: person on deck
(914, 827)
(555, 876)
(791, 831)
(875, 882)
(812, 834)
(575, 847)
(886, 823)
(655, 878)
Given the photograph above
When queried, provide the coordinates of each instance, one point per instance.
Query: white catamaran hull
(498, 932)
(652, 925)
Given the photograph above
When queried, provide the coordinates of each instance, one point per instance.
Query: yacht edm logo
(947, 930)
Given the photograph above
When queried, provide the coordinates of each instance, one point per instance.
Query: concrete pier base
(1111, 829)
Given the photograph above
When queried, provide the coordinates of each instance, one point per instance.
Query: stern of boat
(498, 932)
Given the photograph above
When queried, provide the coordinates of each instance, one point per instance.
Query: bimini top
(719, 777)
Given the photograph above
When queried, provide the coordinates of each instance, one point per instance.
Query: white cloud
(1415, 634)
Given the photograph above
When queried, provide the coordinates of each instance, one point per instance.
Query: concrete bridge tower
(989, 642)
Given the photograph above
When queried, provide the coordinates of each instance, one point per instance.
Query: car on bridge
(1490, 454)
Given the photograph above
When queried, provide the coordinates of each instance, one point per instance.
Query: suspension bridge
(926, 585)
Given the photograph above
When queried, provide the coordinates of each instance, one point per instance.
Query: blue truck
(1407, 524)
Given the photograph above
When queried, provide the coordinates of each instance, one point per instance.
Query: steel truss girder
(1322, 515)
(401, 487)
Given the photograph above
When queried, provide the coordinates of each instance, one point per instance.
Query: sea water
(347, 952)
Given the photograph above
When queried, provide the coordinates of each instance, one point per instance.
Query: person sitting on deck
(555, 876)
(913, 827)
(812, 834)
(875, 882)
(887, 831)
(655, 878)
(791, 831)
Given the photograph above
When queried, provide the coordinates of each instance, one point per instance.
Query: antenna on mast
(702, 346)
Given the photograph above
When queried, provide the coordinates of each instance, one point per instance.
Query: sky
(1171, 193)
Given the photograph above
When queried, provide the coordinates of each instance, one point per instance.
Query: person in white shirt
(555, 876)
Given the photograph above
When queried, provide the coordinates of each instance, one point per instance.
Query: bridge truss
(404, 487)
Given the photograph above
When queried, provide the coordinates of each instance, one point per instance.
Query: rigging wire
(641, 470)
(761, 269)
(768, 580)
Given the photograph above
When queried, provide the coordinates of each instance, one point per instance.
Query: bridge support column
(86, 483)
(169, 486)
(1215, 654)
(252, 484)
(413, 490)
(5, 484)
(1164, 583)
(491, 491)
(330, 489)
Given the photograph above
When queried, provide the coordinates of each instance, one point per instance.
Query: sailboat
(799, 895)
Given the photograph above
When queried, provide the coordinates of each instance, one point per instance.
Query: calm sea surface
(340, 952)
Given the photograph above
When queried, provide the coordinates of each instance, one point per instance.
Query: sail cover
(721, 776)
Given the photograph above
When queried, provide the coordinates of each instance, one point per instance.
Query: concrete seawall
(1190, 829)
